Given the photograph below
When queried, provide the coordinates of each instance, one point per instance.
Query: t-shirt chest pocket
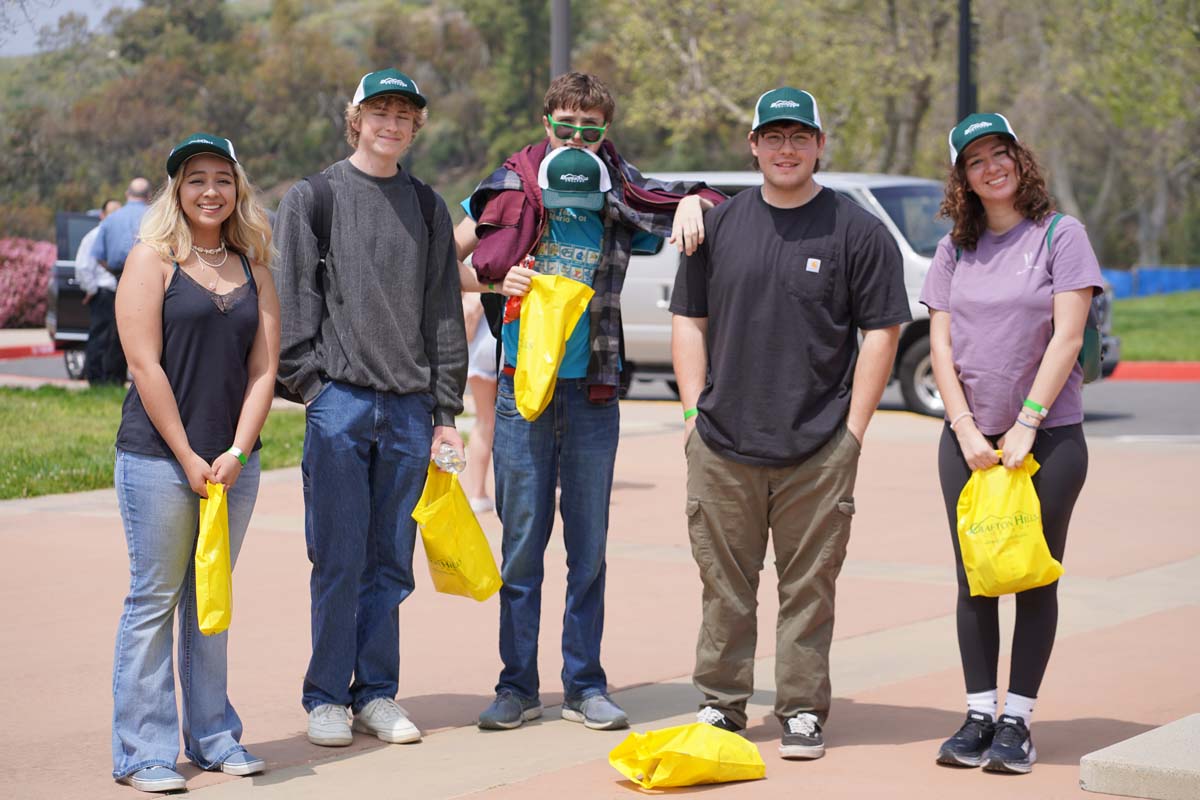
(810, 272)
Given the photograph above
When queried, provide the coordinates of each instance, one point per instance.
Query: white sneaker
(329, 726)
(386, 720)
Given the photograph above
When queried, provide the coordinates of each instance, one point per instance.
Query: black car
(66, 315)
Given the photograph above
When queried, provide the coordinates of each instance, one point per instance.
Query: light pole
(967, 102)
(560, 37)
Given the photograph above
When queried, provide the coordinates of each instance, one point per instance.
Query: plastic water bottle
(448, 459)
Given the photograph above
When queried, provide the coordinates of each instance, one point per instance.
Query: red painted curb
(28, 351)
(1157, 371)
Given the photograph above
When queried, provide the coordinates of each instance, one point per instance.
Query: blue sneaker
(597, 712)
(509, 711)
(155, 779)
(966, 748)
(242, 763)
(1012, 747)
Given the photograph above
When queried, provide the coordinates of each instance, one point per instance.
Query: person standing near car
(115, 238)
(99, 292)
(574, 205)
(200, 321)
(1008, 293)
(373, 343)
(777, 394)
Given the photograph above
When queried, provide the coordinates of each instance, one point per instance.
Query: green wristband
(239, 455)
(688, 413)
(1035, 407)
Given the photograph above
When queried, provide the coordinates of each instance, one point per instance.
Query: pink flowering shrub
(26, 267)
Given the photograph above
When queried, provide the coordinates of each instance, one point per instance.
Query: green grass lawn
(1164, 327)
(58, 440)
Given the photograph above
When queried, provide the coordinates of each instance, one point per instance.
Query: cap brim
(417, 99)
(787, 118)
(958, 155)
(591, 201)
(176, 159)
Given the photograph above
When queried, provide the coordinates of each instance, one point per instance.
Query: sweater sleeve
(301, 301)
(442, 325)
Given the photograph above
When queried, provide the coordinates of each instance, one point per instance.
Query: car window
(914, 210)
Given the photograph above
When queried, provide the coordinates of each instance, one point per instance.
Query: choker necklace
(215, 266)
(209, 251)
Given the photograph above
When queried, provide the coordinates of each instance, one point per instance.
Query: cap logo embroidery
(785, 104)
(392, 82)
(571, 177)
(976, 127)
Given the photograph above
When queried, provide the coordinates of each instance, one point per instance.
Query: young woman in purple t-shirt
(1007, 306)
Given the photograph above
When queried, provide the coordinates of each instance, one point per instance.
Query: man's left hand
(859, 433)
(448, 434)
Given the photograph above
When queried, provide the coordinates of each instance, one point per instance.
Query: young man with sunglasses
(777, 394)
(574, 205)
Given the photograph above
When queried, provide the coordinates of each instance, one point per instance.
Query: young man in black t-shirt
(766, 352)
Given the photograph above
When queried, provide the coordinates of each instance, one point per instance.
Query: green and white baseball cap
(786, 105)
(196, 144)
(974, 127)
(387, 81)
(573, 177)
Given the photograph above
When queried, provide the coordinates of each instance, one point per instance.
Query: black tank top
(206, 341)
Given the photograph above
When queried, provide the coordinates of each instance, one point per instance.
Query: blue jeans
(573, 444)
(162, 515)
(365, 457)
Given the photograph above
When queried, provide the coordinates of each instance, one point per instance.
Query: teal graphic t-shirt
(571, 247)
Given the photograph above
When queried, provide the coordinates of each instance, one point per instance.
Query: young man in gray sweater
(373, 342)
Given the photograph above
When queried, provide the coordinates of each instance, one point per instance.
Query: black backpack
(1090, 355)
(321, 221)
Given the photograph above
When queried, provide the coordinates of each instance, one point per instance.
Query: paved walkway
(1125, 660)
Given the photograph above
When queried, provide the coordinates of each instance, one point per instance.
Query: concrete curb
(1161, 764)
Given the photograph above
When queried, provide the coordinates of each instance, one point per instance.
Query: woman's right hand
(976, 449)
(199, 473)
(517, 282)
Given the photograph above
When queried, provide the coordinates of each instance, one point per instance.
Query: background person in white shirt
(99, 289)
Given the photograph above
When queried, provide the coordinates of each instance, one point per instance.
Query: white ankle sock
(983, 702)
(1017, 705)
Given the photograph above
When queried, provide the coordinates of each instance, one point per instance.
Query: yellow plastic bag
(1000, 532)
(214, 574)
(460, 559)
(687, 755)
(549, 314)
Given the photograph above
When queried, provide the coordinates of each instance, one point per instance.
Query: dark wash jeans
(573, 444)
(365, 457)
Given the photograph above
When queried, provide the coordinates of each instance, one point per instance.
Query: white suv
(908, 207)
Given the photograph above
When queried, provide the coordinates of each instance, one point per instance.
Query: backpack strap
(428, 202)
(1050, 231)
(321, 217)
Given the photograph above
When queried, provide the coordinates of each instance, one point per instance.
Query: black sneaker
(1012, 747)
(711, 716)
(966, 748)
(802, 737)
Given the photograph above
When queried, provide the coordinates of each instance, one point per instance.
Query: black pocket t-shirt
(785, 292)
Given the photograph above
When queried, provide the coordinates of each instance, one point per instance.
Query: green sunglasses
(564, 130)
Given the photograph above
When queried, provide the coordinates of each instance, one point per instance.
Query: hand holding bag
(1000, 532)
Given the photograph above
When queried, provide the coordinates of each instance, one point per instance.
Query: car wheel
(916, 380)
(73, 360)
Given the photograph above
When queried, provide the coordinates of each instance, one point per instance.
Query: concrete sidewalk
(1125, 660)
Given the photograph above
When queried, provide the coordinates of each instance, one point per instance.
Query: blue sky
(46, 12)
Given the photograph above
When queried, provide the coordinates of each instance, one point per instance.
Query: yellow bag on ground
(1000, 532)
(214, 574)
(687, 755)
(549, 314)
(460, 559)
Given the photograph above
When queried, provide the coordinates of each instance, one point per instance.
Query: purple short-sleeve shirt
(1001, 302)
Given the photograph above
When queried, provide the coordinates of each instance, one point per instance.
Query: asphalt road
(1112, 408)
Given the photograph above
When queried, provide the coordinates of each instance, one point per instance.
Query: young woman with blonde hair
(1008, 295)
(199, 319)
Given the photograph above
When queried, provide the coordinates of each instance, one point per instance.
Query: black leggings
(1062, 454)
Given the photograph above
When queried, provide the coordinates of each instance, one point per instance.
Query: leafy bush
(25, 270)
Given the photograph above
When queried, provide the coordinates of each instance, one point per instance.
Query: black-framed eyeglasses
(773, 140)
(565, 130)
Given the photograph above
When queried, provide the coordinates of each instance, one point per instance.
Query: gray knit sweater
(389, 316)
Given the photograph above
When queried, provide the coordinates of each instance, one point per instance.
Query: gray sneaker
(597, 712)
(802, 737)
(329, 726)
(509, 711)
(155, 779)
